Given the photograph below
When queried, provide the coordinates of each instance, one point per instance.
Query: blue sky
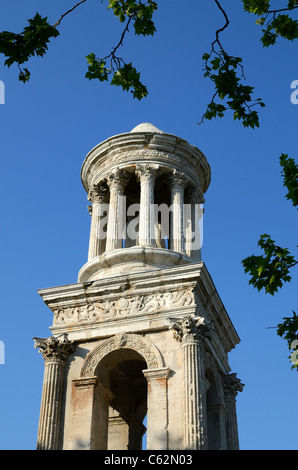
(51, 123)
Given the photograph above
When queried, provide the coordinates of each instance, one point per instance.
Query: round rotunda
(146, 189)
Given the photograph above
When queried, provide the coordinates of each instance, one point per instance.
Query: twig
(67, 12)
(220, 30)
(112, 53)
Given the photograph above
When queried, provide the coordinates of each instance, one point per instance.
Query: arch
(147, 350)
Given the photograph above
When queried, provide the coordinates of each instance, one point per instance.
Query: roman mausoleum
(140, 343)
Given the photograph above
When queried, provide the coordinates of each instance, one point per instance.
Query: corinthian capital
(191, 329)
(97, 193)
(146, 171)
(178, 179)
(118, 178)
(57, 349)
(232, 385)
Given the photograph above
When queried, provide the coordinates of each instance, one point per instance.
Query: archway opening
(121, 372)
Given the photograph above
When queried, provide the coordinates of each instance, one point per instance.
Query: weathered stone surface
(143, 331)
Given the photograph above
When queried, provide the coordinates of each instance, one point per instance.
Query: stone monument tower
(143, 332)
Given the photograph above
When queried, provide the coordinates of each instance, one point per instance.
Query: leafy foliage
(140, 12)
(124, 74)
(226, 73)
(290, 177)
(288, 330)
(271, 270)
(277, 22)
(34, 39)
(128, 78)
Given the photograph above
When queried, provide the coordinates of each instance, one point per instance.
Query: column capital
(117, 178)
(232, 385)
(97, 193)
(55, 349)
(191, 329)
(146, 171)
(178, 179)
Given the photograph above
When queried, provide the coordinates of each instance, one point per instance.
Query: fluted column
(146, 175)
(178, 181)
(97, 238)
(232, 385)
(193, 222)
(191, 332)
(55, 352)
(117, 181)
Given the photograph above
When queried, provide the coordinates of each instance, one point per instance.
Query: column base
(131, 260)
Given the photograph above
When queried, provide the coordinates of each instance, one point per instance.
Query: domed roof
(146, 127)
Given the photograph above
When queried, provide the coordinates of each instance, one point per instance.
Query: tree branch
(112, 54)
(220, 30)
(67, 12)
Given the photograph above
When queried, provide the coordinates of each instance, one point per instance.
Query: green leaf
(34, 39)
(129, 79)
(290, 177)
(96, 68)
(269, 271)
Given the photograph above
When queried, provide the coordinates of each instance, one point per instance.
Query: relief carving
(123, 307)
(150, 352)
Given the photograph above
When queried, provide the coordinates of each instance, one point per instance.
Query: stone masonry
(143, 332)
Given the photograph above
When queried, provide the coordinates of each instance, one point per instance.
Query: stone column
(146, 175)
(192, 216)
(117, 181)
(157, 413)
(191, 331)
(232, 385)
(55, 352)
(177, 183)
(97, 239)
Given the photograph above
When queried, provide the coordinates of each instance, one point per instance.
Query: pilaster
(90, 414)
(157, 414)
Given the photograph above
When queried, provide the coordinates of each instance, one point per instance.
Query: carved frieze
(123, 307)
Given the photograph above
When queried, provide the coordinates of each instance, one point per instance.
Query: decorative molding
(147, 350)
(124, 306)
